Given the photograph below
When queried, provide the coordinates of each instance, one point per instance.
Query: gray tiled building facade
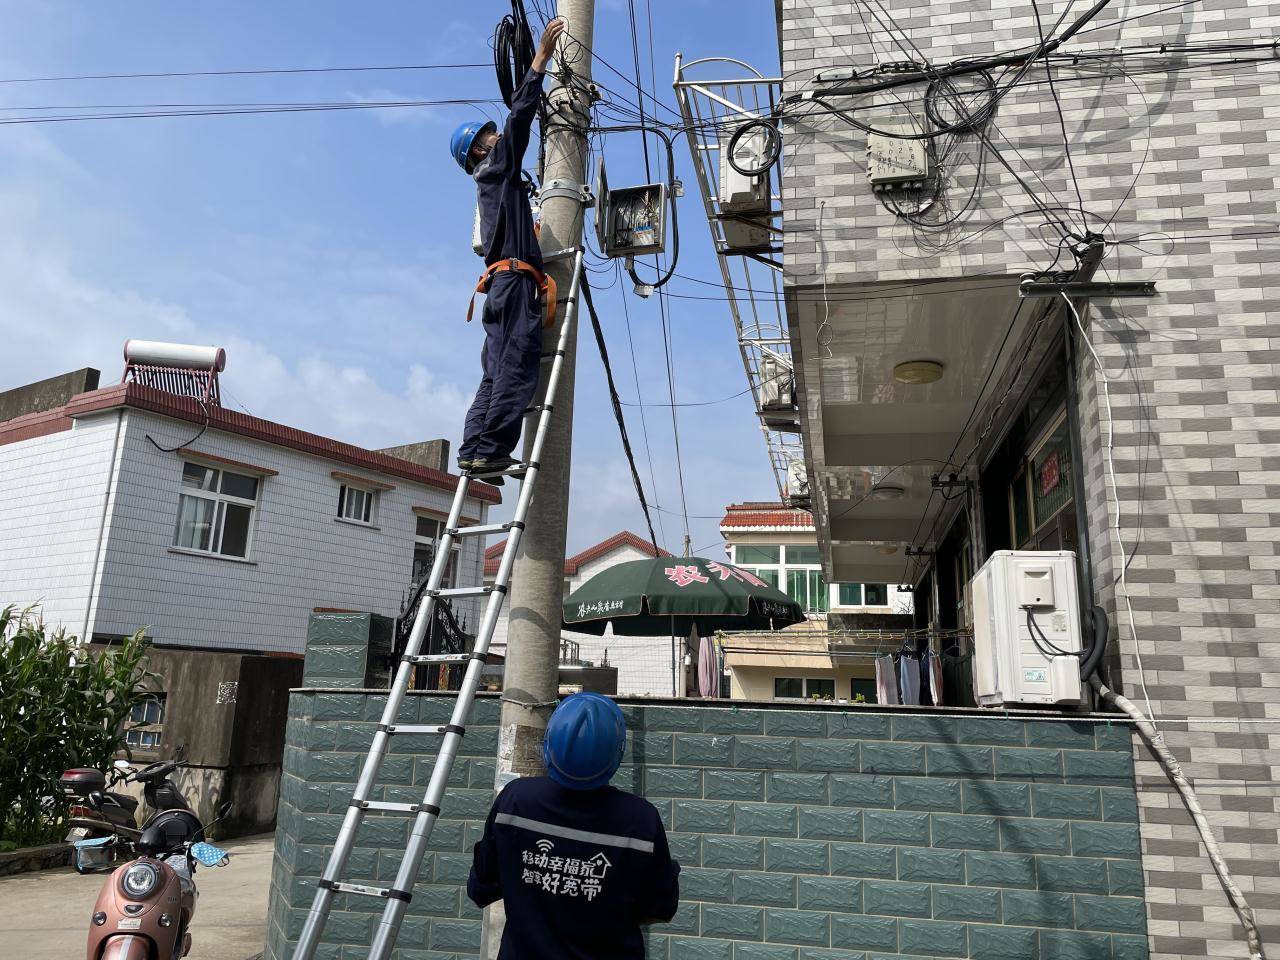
(826, 833)
(1185, 156)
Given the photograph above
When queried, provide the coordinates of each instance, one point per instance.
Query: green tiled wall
(804, 834)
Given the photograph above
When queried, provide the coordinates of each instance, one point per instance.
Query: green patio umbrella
(677, 595)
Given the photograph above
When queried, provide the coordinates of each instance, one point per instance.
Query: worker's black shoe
(490, 470)
(464, 463)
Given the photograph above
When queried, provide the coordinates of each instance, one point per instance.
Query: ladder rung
(559, 254)
(359, 888)
(385, 893)
(438, 658)
(416, 728)
(515, 470)
(484, 529)
(469, 591)
(388, 807)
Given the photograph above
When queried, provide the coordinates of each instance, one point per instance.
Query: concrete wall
(228, 711)
(301, 558)
(46, 394)
(54, 493)
(822, 834)
(1194, 386)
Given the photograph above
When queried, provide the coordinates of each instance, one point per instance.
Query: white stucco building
(132, 507)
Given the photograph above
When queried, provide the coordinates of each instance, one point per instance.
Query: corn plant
(61, 706)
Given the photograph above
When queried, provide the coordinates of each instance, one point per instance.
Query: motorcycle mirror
(224, 809)
(94, 800)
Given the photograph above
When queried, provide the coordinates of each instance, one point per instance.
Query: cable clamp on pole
(530, 704)
(568, 189)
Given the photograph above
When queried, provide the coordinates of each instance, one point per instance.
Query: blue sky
(329, 252)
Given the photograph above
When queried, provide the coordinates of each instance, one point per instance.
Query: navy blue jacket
(578, 871)
(506, 223)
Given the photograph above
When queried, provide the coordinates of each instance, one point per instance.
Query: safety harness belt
(546, 286)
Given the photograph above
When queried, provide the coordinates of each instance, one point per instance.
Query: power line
(196, 111)
(675, 425)
(617, 408)
(644, 426)
(245, 73)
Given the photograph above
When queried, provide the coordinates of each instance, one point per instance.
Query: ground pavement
(45, 915)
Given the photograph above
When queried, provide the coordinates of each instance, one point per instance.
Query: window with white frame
(145, 726)
(357, 504)
(428, 534)
(215, 511)
(795, 569)
(804, 688)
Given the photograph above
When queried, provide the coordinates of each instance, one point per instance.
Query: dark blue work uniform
(512, 314)
(578, 871)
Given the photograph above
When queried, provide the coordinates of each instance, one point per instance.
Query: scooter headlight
(139, 879)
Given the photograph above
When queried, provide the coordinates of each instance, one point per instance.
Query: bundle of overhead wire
(512, 50)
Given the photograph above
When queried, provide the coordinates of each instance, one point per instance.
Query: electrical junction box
(635, 221)
(1014, 592)
(632, 221)
(893, 161)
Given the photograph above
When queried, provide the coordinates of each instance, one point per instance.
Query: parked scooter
(99, 812)
(145, 908)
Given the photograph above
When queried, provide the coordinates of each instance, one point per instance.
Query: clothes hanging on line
(909, 679)
(932, 667)
(886, 680)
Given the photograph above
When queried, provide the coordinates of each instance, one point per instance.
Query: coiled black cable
(513, 53)
(512, 50)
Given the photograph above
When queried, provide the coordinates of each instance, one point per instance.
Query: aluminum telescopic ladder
(427, 812)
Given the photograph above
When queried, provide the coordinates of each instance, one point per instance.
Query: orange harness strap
(546, 286)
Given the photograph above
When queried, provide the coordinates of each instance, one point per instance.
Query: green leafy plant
(61, 706)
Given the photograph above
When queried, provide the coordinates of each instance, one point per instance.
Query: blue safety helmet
(586, 737)
(463, 137)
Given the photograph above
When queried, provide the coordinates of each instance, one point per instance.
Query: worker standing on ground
(513, 279)
(578, 864)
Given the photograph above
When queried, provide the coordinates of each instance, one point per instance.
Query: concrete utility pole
(534, 607)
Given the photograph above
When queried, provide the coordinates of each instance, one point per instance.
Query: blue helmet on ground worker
(519, 294)
(578, 864)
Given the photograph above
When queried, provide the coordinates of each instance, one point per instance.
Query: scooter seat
(168, 830)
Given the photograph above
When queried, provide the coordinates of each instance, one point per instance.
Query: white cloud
(398, 116)
(52, 320)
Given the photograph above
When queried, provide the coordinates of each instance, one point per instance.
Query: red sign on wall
(1050, 474)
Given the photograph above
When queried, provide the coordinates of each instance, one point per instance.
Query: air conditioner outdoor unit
(777, 385)
(740, 192)
(1026, 628)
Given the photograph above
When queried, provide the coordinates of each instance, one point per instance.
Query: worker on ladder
(519, 295)
(578, 864)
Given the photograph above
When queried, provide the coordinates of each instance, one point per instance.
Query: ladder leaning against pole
(427, 812)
